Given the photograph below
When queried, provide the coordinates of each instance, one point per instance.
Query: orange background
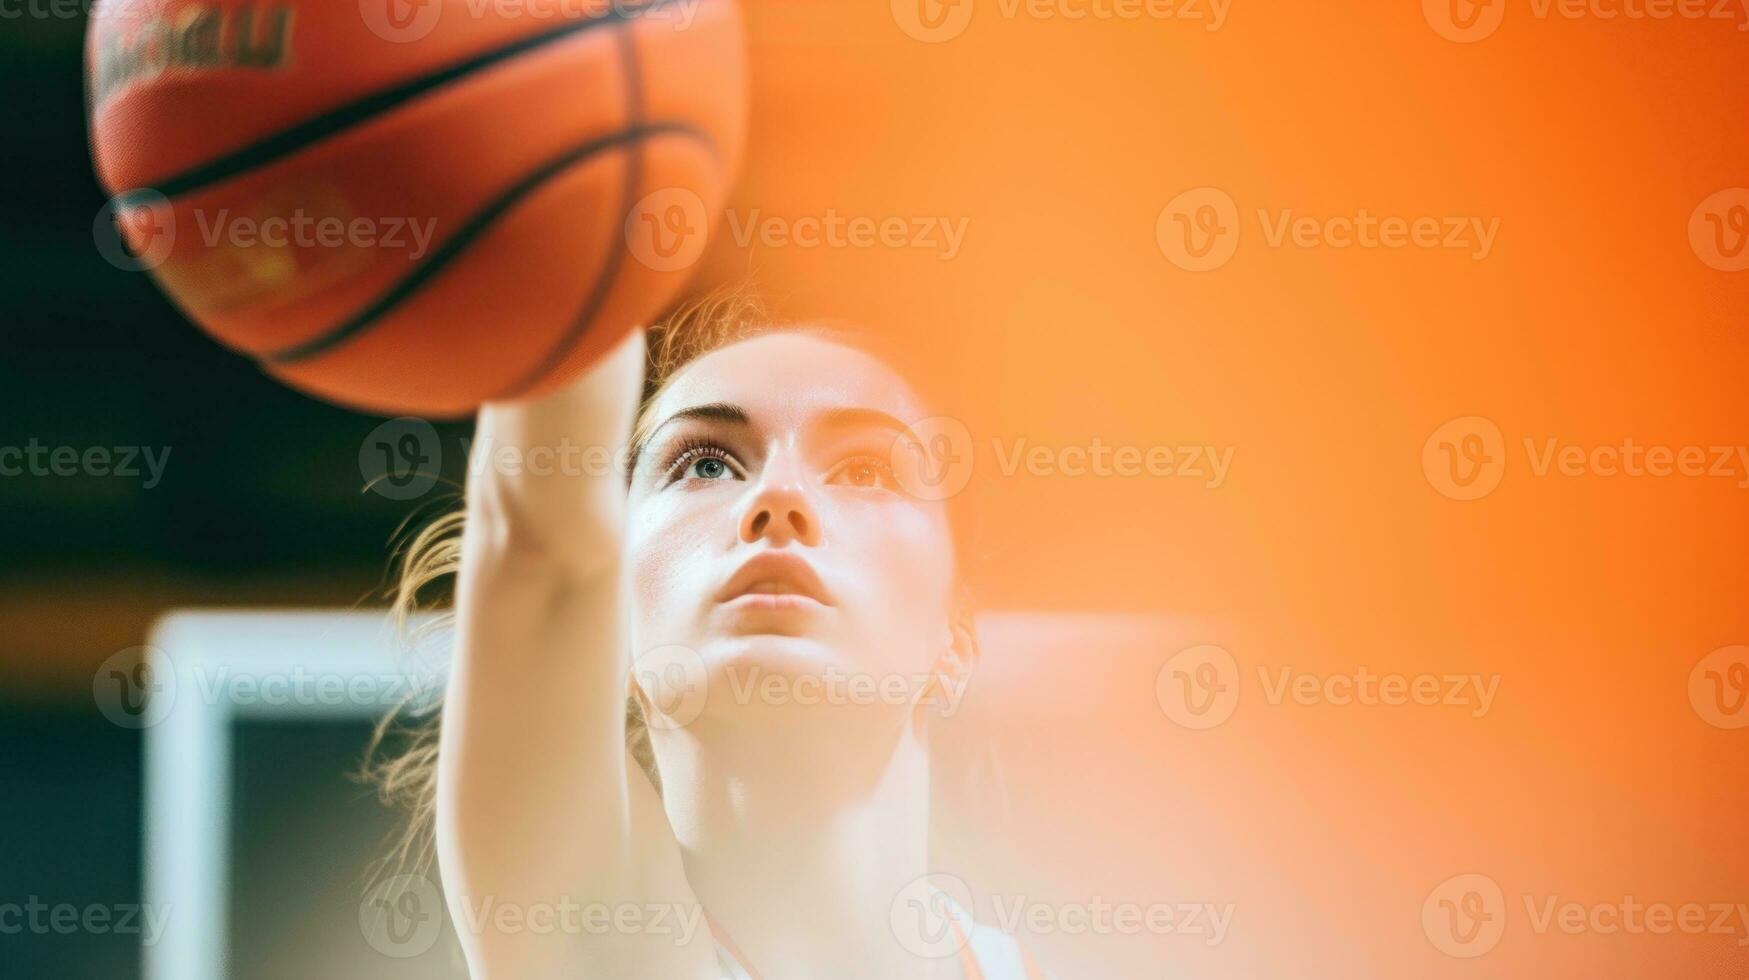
(1593, 321)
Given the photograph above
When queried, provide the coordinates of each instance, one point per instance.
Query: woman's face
(770, 545)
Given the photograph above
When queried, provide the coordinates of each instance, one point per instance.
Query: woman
(777, 617)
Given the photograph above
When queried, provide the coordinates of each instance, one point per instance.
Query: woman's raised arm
(543, 822)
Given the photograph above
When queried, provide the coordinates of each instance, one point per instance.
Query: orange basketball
(416, 205)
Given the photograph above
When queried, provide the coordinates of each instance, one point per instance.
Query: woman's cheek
(915, 573)
(657, 546)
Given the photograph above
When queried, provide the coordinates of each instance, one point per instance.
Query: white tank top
(986, 953)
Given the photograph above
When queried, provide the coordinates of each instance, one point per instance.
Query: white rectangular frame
(186, 826)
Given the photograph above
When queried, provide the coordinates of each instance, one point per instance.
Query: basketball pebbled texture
(417, 205)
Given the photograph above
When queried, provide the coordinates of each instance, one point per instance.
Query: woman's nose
(780, 509)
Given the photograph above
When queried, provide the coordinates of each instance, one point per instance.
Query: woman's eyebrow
(714, 412)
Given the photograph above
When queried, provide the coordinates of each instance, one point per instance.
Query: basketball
(416, 206)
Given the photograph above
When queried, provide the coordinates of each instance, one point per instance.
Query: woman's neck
(799, 848)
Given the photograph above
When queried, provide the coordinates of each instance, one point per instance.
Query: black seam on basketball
(475, 226)
(289, 141)
(608, 274)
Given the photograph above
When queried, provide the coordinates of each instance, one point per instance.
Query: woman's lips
(776, 580)
(773, 602)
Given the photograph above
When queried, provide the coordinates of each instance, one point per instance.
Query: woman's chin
(802, 679)
(745, 655)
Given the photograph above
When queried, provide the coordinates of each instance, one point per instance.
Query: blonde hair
(407, 778)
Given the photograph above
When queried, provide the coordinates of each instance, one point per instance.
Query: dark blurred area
(197, 482)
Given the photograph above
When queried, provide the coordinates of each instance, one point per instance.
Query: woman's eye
(865, 471)
(708, 468)
(701, 462)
